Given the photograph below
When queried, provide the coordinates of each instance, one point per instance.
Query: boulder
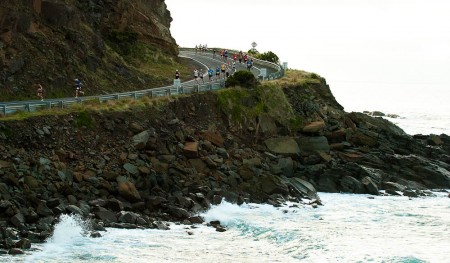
(313, 144)
(351, 185)
(314, 127)
(23, 243)
(370, 186)
(114, 205)
(128, 191)
(214, 137)
(178, 212)
(106, 216)
(190, 149)
(268, 125)
(130, 168)
(73, 209)
(140, 140)
(282, 145)
(286, 166)
(272, 184)
(127, 217)
(303, 187)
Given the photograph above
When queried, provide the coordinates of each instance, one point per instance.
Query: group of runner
(225, 69)
(40, 89)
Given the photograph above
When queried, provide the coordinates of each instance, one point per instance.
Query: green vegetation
(122, 41)
(242, 78)
(269, 56)
(84, 119)
(243, 106)
(5, 131)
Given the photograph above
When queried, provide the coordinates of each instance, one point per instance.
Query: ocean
(388, 56)
(347, 228)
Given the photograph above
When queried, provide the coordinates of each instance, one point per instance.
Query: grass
(297, 77)
(94, 106)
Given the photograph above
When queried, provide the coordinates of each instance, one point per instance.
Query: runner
(240, 57)
(40, 91)
(217, 73)
(234, 57)
(226, 55)
(200, 74)
(78, 90)
(222, 70)
(210, 74)
(214, 52)
(233, 65)
(196, 75)
(249, 64)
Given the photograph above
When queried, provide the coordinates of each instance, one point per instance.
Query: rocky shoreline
(169, 162)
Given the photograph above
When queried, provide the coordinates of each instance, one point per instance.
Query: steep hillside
(109, 45)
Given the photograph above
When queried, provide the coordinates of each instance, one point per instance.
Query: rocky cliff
(109, 45)
(168, 159)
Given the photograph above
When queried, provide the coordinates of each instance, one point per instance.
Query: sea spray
(69, 232)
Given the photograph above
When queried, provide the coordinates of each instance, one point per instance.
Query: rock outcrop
(100, 42)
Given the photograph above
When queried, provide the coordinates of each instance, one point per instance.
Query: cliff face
(102, 42)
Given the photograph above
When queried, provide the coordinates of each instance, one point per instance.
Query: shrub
(242, 78)
(269, 56)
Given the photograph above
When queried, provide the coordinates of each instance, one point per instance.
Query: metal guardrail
(12, 107)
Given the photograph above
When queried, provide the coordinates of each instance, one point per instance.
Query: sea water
(347, 228)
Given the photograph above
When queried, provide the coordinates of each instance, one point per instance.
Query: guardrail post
(27, 106)
(117, 97)
(168, 92)
(4, 110)
(135, 95)
(61, 104)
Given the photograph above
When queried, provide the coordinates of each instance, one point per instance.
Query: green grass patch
(84, 119)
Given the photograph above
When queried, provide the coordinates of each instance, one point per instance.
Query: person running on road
(225, 54)
(217, 73)
(234, 57)
(240, 57)
(177, 74)
(78, 90)
(40, 91)
(214, 52)
(196, 75)
(249, 64)
(222, 70)
(200, 74)
(233, 66)
(210, 74)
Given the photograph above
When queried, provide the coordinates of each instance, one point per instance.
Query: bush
(242, 78)
(269, 56)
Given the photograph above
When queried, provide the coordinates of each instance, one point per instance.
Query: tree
(269, 56)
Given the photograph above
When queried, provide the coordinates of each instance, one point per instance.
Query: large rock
(351, 185)
(282, 145)
(267, 124)
(214, 137)
(140, 140)
(305, 188)
(128, 191)
(190, 149)
(272, 184)
(371, 187)
(313, 144)
(314, 127)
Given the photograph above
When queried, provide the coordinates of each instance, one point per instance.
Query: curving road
(206, 60)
